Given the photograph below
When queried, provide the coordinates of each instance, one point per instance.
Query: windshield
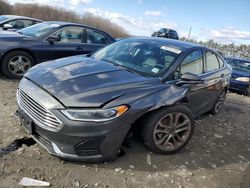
(162, 30)
(3, 18)
(38, 29)
(240, 65)
(142, 56)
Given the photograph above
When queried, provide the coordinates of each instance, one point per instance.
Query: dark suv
(166, 33)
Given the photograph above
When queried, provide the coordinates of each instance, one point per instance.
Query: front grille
(41, 115)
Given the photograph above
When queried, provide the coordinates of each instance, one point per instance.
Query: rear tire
(247, 92)
(219, 102)
(16, 63)
(168, 130)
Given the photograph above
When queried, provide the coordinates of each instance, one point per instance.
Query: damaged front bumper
(79, 141)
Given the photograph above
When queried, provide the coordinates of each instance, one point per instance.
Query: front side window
(221, 62)
(212, 62)
(70, 35)
(193, 63)
(20, 24)
(142, 56)
(95, 37)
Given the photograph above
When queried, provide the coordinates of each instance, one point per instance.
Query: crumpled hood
(84, 82)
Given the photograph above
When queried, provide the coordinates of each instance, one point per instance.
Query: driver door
(193, 63)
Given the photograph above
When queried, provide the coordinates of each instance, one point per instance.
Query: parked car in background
(241, 75)
(166, 33)
(14, 23)
(82, 107)
(47, 41)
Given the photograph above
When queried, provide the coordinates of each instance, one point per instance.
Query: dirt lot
(217, 156)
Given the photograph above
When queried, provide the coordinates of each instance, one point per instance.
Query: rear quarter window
(221, 62)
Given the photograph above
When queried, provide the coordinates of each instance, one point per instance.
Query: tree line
(228, 50)
(47, 13)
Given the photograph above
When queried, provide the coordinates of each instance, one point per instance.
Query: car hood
(238, 73)
(4, 33)
(84, 82)
(11, 36)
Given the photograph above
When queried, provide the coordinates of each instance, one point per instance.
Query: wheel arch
(168, 101)
(18, 49)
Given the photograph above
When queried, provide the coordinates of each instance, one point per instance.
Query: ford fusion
(82, 107)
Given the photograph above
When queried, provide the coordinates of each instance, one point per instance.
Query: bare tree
(5, 7)
(48, 13)
(242, 51)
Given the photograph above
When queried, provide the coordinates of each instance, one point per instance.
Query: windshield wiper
(112, 62)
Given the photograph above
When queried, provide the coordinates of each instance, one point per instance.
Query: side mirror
(7, 26)
(53, 39)
(189, 78)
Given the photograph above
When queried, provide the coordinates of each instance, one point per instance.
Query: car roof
(168, 29)
(182, 45)
(16, 16)
(61, 23)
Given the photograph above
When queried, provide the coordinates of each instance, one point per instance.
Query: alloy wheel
(220, 101)
(172, 131)
(18, 65)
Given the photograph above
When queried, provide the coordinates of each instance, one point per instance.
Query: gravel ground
(217, 156)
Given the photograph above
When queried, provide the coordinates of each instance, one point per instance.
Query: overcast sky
(225, 21)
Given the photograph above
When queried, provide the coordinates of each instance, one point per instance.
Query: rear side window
(221, 62)
(193, 63)
(173, 34)
(95, 37)
(212, 62)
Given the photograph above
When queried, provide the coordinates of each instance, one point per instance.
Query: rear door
(71, 43)
(213, 78)
(95, 40)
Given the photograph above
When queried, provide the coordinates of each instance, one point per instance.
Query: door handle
(79, 48)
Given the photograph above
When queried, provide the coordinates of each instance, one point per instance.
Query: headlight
(96, 115)
(243, 79)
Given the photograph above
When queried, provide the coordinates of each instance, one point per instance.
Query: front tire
(16, 63)
(168, 130)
